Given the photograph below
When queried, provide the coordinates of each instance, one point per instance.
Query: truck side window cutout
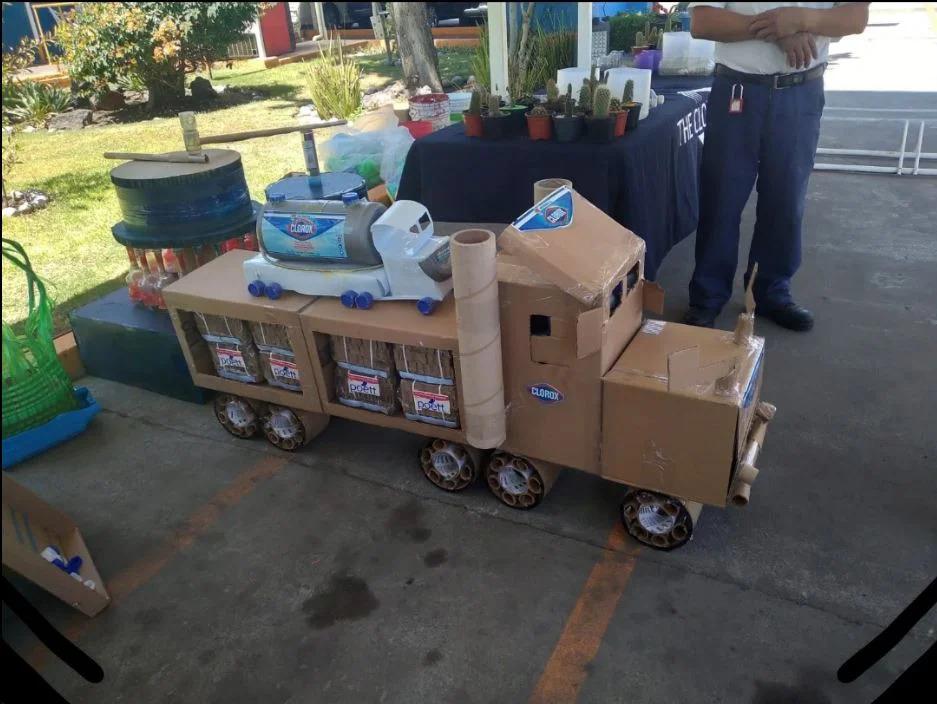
(540, 325)
(615, 299)
(633, 275)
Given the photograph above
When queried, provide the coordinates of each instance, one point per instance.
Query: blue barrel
(183, 205)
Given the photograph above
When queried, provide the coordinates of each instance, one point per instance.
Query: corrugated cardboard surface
(218, 288)
(29, 526)
(583, 259)
(682, 442)
(583, 341)
(391, 321)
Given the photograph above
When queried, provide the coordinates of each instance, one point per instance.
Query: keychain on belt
(735, 101)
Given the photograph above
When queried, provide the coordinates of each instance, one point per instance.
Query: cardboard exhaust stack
(475, 286)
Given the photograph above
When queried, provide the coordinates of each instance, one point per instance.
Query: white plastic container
(685, 56)
(459, 102)
(618, 77)
(574, 76)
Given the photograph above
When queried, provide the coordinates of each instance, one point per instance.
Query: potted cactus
(539, 124)
(517, 112)
(600, 128)
(621, 117)
(633, 108)
(472, 118)
(553, 104)
(567, 125)
(494, 122)
(585, 98)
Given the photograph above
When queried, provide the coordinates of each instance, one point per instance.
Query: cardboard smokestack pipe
(478, 325)
(546, 186)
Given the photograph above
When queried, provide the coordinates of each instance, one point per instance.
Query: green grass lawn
(70, 242)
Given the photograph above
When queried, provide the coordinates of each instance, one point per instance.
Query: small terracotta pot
(621, 122)
(539, 127)
(473, 124)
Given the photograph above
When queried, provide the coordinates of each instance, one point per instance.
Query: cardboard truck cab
(665, 407)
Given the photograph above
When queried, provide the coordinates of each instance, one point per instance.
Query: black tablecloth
(647, 180)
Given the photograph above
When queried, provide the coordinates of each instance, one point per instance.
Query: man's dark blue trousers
(771, 142)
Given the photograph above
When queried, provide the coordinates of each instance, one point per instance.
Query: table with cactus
(643, 173)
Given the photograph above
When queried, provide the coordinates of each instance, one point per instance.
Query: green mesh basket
(35, 386)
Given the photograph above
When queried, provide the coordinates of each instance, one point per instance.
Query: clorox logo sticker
(301, 228)
(546, 393)
(553, 212)
(555, 215)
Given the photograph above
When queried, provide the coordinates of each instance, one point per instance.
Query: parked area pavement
(340, 574)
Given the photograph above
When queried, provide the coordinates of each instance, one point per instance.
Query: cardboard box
(433, 366)
(29, 526)
(397, 322)
(365, 356)
(366, 390)
(437, 404)
(676, 408)
(571, 297)
(218, 288)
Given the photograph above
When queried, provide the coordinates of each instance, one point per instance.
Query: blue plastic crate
(63, 427)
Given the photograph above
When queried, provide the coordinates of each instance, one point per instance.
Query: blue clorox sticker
(552, 213)
(304, 236)
(546, 393)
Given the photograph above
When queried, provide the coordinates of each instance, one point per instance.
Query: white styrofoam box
(459, 102)
(618, 77)
(684, 55)
(574, 76)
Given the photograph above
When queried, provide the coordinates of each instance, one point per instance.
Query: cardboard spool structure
(554, 362)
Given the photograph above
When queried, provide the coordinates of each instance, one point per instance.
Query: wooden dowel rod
(167, 158)
(250, 134)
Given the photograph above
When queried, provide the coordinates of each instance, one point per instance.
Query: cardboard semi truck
(542, 359)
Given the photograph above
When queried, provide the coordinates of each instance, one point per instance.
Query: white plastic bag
(375, 156)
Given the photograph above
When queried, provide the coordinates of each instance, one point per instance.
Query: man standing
(762, 124)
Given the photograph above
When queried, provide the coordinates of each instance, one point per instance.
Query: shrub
(622, 30)
(34, 103)
(155, 41)
(481, 59)
(333, 84)
(552, 52)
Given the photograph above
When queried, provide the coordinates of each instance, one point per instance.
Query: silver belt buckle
(777, 77)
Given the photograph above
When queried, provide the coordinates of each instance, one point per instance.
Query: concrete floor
(339, 574)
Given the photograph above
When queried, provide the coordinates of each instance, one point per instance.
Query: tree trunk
(165, 90)
(415, 44)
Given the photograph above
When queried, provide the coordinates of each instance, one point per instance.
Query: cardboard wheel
(517, 481)
(449, 465)
(284, 429)
(236, 415)
(656, 520)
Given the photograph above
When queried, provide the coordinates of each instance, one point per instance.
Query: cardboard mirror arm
(741, 489)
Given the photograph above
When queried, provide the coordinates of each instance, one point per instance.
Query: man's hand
(778, 23)
(800, 48)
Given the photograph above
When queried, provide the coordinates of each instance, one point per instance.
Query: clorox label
(552, 213)
(546, 393)
(303, 236)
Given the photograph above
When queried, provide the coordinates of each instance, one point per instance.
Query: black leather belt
(775, 80)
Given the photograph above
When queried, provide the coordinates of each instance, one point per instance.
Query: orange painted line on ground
(585, 628)
(128, 580)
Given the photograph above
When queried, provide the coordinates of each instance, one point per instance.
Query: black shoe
(700, 317)
(790, 316)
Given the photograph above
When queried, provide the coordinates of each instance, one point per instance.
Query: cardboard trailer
(542, 359)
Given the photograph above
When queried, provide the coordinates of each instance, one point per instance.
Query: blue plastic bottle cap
(426, 305)
(274, 291)
(364, 300)
(349, 198)
(276, 197)
(348, 299)
(256, 288)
